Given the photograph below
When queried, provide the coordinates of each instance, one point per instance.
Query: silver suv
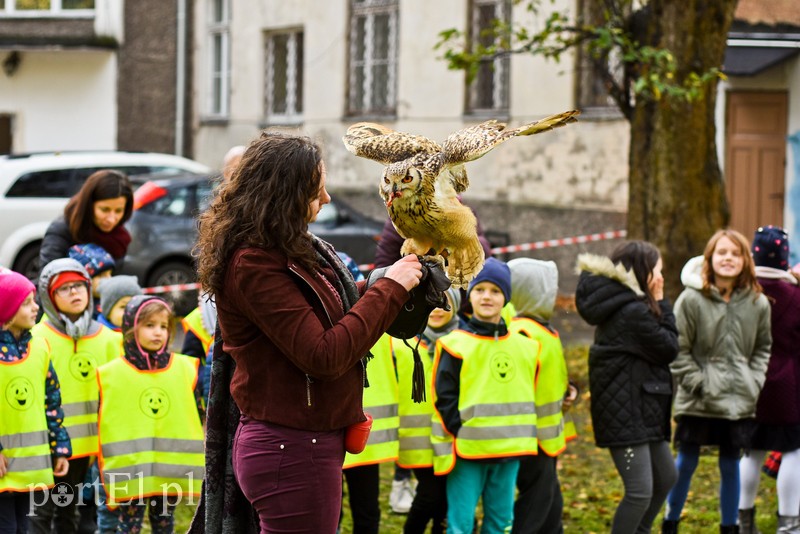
(34, 188)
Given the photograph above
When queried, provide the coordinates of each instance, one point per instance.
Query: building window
(373, 57)
(283, 92)
(38, 8)
(219, 43)
(592, 88)
(488, 90)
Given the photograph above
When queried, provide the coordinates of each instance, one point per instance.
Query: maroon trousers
(293, 478)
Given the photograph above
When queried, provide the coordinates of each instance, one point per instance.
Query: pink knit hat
(14, 289)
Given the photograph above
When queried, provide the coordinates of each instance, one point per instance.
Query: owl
(422, 180)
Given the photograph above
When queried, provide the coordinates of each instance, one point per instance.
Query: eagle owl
(422, 180)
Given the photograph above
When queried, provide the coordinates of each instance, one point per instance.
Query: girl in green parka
(724, 337)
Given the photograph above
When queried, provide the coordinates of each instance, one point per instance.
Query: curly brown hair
(747, 278)
(100, 185)
(265, 204)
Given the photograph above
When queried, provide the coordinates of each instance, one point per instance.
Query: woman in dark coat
(629, 376)
(95, 214)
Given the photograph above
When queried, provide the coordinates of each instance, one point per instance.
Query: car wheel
(173, 273)
(27, 262)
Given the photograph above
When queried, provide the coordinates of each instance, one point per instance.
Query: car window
(174, 204)
(62, 183)
(56, 183)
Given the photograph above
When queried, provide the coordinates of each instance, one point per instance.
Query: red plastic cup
(356, 435)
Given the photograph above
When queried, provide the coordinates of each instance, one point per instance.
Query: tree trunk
(677, 192)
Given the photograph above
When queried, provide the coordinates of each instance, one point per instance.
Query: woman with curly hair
(298, 328)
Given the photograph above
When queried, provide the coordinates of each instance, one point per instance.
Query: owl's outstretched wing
(379, 143)
(471, 143)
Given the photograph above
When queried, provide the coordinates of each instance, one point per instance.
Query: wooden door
(755, 158)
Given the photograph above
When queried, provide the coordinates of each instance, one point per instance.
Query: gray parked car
(164, 231)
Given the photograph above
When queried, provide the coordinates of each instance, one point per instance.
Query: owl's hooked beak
(393, 195)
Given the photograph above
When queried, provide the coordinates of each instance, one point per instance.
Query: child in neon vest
(151, 437)
(539, 504)
(429, 504)
(98, 263)
(115, 293)
(485, 417)
(77, 345)
(24, 463)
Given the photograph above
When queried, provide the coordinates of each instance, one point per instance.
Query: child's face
(117, 311)
(153, 333)
(25, 318)
(487, 302)
(439, 318)
(727, 261)
(96, 282)
(72, 298)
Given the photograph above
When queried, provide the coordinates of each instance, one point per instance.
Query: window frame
(500, 67)
(56, 10)
(294, 76)
(369, 9)
(219, 77)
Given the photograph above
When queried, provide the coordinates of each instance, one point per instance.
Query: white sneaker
(401, 496)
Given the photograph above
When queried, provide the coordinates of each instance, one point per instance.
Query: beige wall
(62, 100)
(581, 166)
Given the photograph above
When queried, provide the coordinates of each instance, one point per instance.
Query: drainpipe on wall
(180, 77)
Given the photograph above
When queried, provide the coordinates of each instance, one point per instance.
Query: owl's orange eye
(406, 179)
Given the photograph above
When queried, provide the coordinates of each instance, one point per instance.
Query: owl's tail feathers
(548, 123)
(465, 263)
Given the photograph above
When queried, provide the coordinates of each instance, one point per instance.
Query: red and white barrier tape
(171, 288)
(561, 242)
(615, 234)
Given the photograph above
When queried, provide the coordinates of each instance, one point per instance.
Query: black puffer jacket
(629, 374)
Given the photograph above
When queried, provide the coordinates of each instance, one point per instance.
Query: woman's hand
(657, 288)
(406, 271)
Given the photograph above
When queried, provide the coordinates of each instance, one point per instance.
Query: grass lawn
(590, 483)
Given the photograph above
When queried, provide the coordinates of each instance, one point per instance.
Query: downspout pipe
(180, 78)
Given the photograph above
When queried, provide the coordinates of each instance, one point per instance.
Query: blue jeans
(469, 481)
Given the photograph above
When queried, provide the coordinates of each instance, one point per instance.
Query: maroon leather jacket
(298, 356)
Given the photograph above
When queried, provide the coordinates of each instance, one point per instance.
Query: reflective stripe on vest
(496, 399)
(25, 440)
(75, 363)
(415, 418)
(380, 400)
(151, 439)
(194, 323)
(551, 384)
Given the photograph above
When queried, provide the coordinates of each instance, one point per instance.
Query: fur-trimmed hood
(603, 266)
(603, 288)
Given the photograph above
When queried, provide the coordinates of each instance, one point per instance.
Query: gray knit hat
(114, 288)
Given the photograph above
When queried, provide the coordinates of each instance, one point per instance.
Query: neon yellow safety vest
(415, 418)
(75, 363)
(380, 400)
(151, 437)
(551, 385)
(194, 323)
(496, 399)
(23, 423)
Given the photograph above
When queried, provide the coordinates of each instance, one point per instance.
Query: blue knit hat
(771, 248)
(496, 272)
(94, 258)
